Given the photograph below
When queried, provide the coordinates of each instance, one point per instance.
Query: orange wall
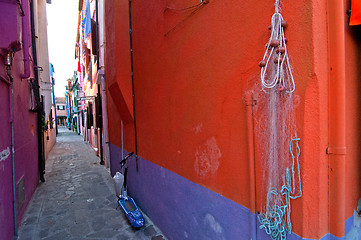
(353, 116)
(190, 86)
(191, 72)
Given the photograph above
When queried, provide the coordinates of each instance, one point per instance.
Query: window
(51, 119)
(60, 107)
(33, 94)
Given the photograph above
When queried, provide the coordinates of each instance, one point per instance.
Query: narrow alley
(228, 120)
(77, 200)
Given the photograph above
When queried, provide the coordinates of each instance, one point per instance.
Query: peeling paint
(4, 154)
(198, 129)
(32, 129)
(211, 221)
(355, 231)
(207, 158)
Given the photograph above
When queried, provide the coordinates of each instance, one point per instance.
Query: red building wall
(192, 69)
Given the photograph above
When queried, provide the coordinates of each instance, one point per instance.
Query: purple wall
(5, 165)
(26, 154)
(185, 210)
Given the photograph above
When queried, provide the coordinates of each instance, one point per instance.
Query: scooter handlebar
(125, 159)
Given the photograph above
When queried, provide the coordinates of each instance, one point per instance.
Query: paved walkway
(77, 200)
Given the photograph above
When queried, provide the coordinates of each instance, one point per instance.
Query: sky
(62, 29)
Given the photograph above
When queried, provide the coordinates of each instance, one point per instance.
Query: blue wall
(185, 210)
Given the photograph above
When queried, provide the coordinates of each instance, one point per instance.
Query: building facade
(75, 117)
(221, 149)
(44, 73)
(61, 111)
(26, 106)
(89, 75)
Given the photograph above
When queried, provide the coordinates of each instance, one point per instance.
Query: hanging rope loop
(276, 68)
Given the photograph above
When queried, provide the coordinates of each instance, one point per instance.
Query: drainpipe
(133, 85)
(250, 102)
(13, 151)
(105, 124)
(100, 118)
(337, 117)
(8, 63)
(39, 102)
(26, 38)
(54, 103)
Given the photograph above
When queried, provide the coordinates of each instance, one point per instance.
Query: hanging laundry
(79, 57)
(52, 70)
(82, 41)
(87, 20)
(90, 73)
(355, 12)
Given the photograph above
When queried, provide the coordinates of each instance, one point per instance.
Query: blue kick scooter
(127, 203)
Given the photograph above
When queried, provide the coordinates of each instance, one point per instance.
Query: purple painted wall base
(185, 210)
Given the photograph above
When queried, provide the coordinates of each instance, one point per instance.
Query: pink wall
(50, 136)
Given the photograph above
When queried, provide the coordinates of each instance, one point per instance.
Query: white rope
(276, 73)
(276, 69)
(277, 6)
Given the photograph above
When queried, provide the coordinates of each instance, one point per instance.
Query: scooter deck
(133, 213)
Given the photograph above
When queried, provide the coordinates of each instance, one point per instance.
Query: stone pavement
(77, 200)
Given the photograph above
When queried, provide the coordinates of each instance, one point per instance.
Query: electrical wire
(200, 6)
(186, 8)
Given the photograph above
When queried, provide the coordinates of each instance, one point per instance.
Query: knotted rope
(276, 68)
(277, 220)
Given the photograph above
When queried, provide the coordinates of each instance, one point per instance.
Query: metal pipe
(250, 102)
(121, 127)
(133, 85)
(99, 89)
(39, 103)
(5, 81)
(26, 38)
(97, 32)
(105, 123)
(11, 117)
(8, 71)
(100, 118)
(337, 117)
(54, 103)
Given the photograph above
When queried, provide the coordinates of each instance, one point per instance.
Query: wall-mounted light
(8, 60)
(8, 53)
